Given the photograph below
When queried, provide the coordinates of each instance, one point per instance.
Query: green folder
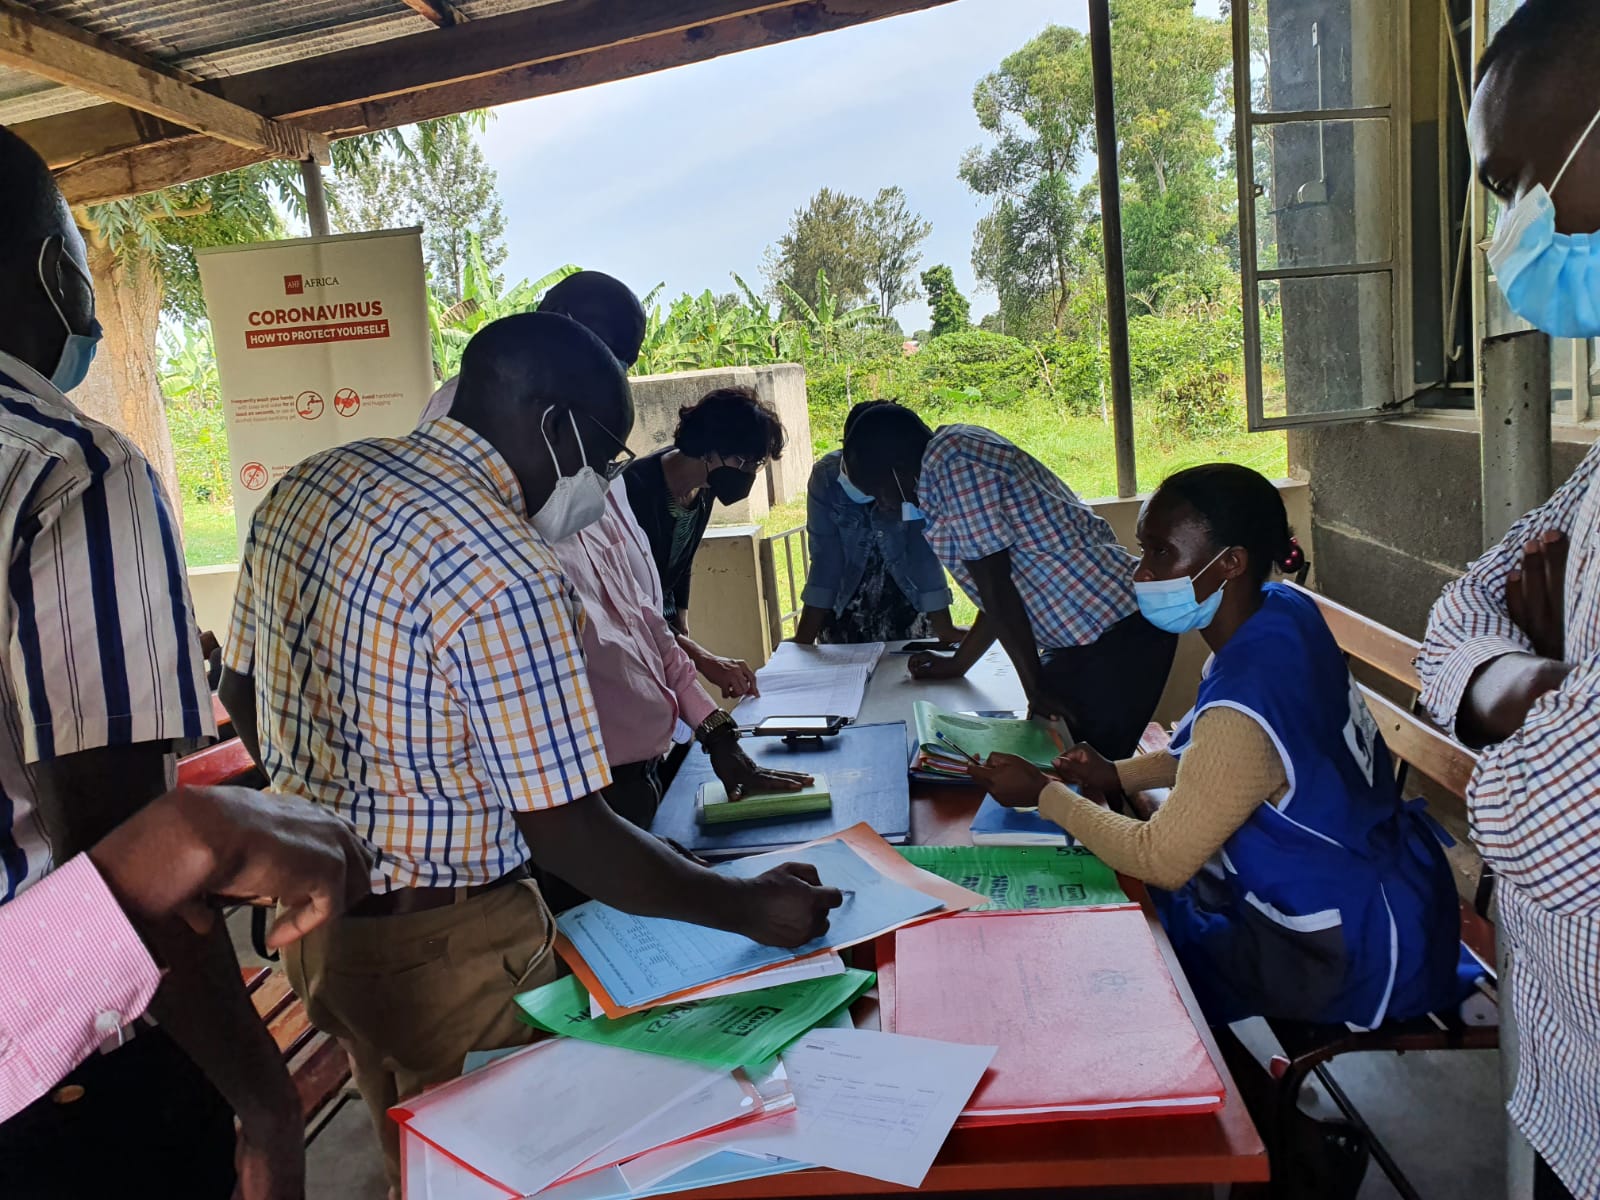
(1022, 877)
(712, 806)
(983, 736)
(725, 1031)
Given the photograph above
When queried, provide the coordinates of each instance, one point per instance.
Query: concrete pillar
(1514, 413)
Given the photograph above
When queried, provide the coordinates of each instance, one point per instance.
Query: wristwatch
(718, 724)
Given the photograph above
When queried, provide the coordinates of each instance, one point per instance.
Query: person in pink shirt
(72, 951)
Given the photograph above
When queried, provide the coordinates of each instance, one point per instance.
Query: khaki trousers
(410, 996)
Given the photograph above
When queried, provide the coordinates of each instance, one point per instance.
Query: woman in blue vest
(873, 578)
(1290, 878)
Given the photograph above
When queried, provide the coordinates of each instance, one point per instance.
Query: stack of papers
(811, 681)
(875, 1104)
(1022, 878)
(629, 963)
(943, 736)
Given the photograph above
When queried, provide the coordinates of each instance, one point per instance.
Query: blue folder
(866, 770)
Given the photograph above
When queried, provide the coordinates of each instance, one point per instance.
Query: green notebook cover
(712, 806)
(983, 736)
(1022, 877)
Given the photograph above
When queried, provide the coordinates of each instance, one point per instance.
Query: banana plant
(828, 322)
(451, 326)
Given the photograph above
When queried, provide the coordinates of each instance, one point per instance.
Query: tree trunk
(122, 389)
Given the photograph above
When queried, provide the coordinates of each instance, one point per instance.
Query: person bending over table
(1046, 572)
(405, 650)
(1290, 877)
(873, 576)
(719, 447)
(642, 680)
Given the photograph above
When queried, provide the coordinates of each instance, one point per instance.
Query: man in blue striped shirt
(102, 674)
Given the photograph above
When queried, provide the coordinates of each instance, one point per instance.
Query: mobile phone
(798, 727)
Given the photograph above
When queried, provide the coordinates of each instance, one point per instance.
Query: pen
(940, 735)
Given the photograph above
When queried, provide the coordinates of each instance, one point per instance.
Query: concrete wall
(657, 399)
(1395, 509)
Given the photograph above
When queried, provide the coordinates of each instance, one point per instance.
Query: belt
(404, 901)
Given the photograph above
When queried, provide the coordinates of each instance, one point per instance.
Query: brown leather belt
(404, 901)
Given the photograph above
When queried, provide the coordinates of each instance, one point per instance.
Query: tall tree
(951, 312)
(1021, 248)
(893, 232)
(828, 235)
(1032, 248)
(141, 255)
(452, 192)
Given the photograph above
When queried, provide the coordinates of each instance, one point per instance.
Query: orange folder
(860, 838)
(1080, 1002)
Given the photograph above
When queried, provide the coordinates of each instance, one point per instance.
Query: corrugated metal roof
(213, 38)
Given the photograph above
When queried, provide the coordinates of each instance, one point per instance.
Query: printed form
(874, 1104)
(641, 959)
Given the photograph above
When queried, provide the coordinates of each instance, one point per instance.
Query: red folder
(1080, 1002)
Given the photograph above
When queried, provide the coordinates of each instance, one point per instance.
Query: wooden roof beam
(439, 12)
(123, 169)
(94, 65)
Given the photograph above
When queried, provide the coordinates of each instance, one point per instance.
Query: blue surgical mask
(856, 495)
(909, 512)
(1551, 280)
(1170, 604)
(78, 352)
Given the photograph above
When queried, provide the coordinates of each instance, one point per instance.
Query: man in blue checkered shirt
(1046, 572)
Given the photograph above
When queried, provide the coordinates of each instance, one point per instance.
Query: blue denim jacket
(841, 532)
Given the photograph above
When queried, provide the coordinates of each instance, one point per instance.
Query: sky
(684, 176)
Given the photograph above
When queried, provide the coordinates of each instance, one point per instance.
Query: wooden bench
(316, 1062)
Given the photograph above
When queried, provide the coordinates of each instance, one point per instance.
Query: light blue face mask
(856, 495)
(1170, 604)
(78, 352)
(909, 512)
(1551, 280)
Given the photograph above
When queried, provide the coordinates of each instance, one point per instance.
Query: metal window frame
(1246, 121)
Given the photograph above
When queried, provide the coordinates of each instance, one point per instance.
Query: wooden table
(1217, 1148)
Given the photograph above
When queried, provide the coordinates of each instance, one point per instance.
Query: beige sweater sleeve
(1230, 768)
(1141, 774)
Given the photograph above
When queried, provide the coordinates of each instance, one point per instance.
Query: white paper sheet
(791, 656)
(834, 690)
(819, 967)
(530, 1119)
(875, 1104)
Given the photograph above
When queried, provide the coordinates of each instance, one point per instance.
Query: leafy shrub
(1201, 402)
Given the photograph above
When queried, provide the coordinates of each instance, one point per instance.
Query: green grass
(209, 536)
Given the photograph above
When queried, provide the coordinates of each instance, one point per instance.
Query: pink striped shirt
(641, 679)
(72, 972)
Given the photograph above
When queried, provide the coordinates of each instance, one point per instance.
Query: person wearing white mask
(406, 650)
(1511, 660)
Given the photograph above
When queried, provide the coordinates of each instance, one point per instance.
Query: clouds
(686, 175)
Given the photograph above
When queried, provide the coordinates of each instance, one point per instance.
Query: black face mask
(729, 484)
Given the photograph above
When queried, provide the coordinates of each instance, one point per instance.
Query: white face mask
(577, 501)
